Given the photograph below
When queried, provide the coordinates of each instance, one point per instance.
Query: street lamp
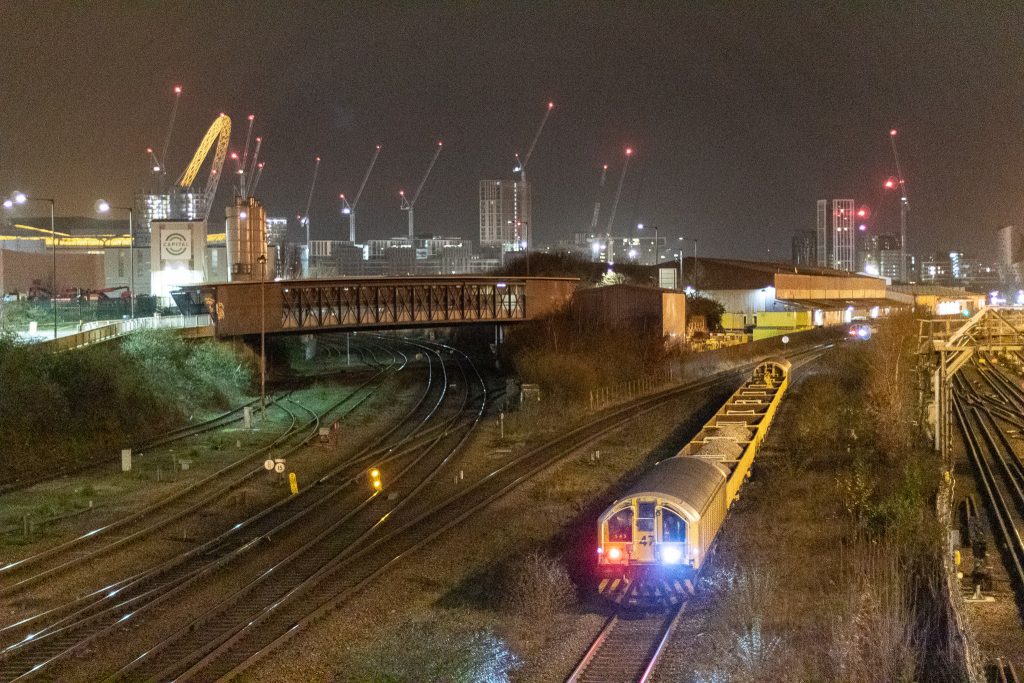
(20, 198)
(262, 259)
(692, 239)
(103, 206)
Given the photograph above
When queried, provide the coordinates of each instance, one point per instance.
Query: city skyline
(740, 115)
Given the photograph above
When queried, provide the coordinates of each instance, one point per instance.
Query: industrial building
(659, 311)
(767, 299)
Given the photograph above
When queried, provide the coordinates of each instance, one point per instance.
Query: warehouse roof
(717, 273)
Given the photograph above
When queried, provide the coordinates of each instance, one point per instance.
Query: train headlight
(614, 554)
(671, 554)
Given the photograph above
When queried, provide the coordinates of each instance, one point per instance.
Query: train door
(644, 538)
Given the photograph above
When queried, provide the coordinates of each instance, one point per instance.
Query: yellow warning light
(376, 484)
(375, 474)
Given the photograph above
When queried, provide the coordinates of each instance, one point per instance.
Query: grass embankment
(830, 566)
(61, 411)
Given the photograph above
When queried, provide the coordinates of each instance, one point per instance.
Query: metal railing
(606, 396)
(102, 331)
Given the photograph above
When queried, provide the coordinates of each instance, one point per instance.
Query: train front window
(645, 517)
(620, 527)
(673, 527)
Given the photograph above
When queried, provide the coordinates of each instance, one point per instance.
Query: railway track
(171, 436)
(78, 624)
(628, 648)
(141, 524)
(194, 647)
(983, 419)
(276, 625)
(1005, 672)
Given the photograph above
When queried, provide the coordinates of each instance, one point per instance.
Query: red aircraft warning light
(629, 151)
(890, 183)
(177, 90)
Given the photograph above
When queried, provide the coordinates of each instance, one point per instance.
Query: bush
(537, 587)
(205, 373)
(61, 411)
(429, 653)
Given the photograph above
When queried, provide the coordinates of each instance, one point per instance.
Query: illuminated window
(673, 527)
(620, 527)
(645, 517)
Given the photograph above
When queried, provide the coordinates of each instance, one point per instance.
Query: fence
(605, 396)
(101, 331)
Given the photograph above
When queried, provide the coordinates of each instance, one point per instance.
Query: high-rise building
(505, 215)
(805, 248)
(887, 248)
(823, 241)
(836, 235)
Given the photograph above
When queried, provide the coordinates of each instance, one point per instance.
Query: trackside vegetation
(830, 567)
(62, 411)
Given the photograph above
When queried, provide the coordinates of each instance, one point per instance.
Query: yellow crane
(219, 132)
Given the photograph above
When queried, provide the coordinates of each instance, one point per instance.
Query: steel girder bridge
(947, 344)
(357, 303)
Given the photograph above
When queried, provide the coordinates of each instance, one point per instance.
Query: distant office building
(176, 205)
(887, 248)
(1011, 256)
(505, 214)
(805, 248)
(835, 242)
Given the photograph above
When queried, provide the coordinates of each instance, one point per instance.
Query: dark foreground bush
(537, 587)
(431, 653)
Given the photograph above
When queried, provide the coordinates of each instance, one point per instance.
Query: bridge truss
(326, 305)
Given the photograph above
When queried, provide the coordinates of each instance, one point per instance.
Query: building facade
(805, 248)
(505, 214)
(836, 235)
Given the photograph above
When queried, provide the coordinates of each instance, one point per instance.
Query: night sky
(742, 114)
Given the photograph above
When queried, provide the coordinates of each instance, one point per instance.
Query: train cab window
(620, 527)
(645, 517)
(673, 527)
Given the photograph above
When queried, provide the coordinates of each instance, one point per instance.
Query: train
(666, 522)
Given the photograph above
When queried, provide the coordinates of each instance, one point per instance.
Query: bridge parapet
(373, 303)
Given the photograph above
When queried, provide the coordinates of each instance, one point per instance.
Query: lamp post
(20, 198)
(103, 206)
(263, 336)
(683, 239)
(525, 242)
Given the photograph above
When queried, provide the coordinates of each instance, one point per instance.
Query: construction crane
(219, 132)
(618, 192)
(597, 203)
(244, 161)
(256, 178)
(520, 167)
(407, 204)
(350, 209)
(309, 202)
(160, 164)
(904, 204)
(252, 175)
